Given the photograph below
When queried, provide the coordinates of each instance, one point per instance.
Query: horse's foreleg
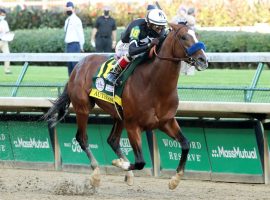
(172, 129)
(114, 141)
(134, 136)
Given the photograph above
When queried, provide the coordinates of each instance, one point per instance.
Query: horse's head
(186, 47)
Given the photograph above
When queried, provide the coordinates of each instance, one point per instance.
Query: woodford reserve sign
(170, 150)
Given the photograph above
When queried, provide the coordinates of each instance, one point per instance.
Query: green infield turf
(50, 79)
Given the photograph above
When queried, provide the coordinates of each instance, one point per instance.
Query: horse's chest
(154, 117)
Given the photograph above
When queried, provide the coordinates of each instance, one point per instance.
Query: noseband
(189, 51)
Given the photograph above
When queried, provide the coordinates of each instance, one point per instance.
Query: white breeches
(121, 49)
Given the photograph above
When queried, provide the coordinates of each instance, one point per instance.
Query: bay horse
(149, 100)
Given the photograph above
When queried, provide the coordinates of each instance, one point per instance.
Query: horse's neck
(166, 72)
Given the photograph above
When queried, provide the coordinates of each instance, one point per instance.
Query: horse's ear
(174, 26)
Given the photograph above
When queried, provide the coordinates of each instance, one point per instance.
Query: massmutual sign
(235, 152)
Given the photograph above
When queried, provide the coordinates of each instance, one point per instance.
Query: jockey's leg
(121, 64)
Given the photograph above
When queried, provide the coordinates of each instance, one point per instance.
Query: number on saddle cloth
(105, 68)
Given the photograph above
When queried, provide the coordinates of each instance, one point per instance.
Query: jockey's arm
(135, 49)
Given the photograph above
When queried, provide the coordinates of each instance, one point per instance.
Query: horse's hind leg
(114, 141)
(82, 138)
(172, 129)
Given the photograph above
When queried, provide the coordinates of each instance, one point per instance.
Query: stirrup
(114, 73)
(111, 77)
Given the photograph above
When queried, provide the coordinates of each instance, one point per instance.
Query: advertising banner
(71, 151)
(170, 150)
(5, 146)
(233, 151)
(30, 142)
(125, 147)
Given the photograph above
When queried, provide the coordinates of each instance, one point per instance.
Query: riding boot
(121, 64)
(114, 73)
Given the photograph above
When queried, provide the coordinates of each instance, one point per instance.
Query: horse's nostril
(203, 59)
(203, 62)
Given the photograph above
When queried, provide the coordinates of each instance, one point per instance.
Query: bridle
(188, 52)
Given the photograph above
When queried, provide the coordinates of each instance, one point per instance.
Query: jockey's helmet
(156, 19)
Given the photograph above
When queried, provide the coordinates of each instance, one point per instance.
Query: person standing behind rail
(181, 15)
(74, 36)
(191, 21)
(5, 37)
(103, 36)
(185, 16)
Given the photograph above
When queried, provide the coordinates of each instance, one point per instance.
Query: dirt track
(39, 185)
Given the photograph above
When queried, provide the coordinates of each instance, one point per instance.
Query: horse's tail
(59, 109)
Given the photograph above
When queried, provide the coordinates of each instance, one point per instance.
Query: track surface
(40, 185)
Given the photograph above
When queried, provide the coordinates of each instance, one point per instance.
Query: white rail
(255, 57)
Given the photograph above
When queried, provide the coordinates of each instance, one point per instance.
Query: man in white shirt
(4, 29)
(74, 36)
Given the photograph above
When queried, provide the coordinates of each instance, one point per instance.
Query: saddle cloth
(105, 90)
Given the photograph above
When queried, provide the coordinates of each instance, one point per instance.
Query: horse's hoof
(116, 162)
(129, 178)
(95, 178)
(175, 180)
(121, 163)
(173, 183)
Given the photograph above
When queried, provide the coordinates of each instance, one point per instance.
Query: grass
(208, 78)
(36, 74)
(225, 77)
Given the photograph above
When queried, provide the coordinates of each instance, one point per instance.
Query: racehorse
(149, 100)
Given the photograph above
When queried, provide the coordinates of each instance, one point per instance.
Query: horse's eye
(183, 37)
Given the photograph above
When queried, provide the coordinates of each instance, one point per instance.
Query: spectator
(103, 36)
(5, 37)
(181, 15)
(74, 36)
(191, 21)
(190, 69)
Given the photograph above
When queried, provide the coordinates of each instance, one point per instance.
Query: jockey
(139, 37)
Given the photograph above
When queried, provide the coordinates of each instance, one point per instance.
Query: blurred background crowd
(49, 13)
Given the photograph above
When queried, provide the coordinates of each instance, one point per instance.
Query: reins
(174, 59)
(170, 58)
